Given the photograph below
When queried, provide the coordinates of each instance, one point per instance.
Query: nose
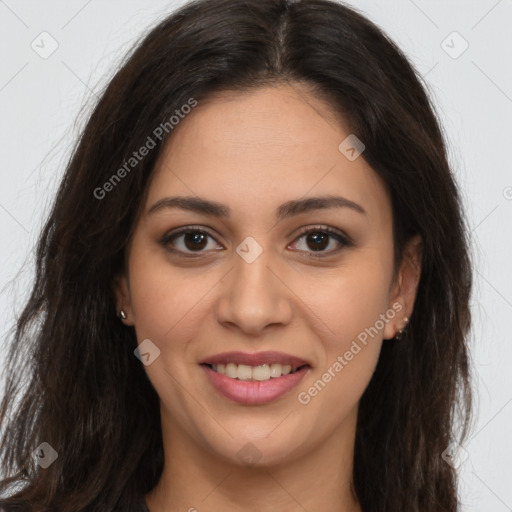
(254, 296)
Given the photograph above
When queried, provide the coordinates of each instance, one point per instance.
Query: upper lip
(256, 359)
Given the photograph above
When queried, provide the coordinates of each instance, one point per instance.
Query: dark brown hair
(72, 378)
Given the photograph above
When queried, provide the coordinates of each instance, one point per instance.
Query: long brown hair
(72, 379)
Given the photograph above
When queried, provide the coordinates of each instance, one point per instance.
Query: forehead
(261, 148)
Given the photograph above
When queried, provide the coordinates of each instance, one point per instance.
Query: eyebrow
(288, 209)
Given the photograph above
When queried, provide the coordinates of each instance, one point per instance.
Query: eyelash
(342, 239)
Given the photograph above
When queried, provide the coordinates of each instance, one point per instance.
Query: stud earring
(398, 336)
(122, 315)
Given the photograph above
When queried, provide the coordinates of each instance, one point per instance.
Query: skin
(253, 151)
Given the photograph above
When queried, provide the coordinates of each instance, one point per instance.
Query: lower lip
(252, 392)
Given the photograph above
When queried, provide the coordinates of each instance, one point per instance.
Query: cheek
(352, 299)
(164, 298)
(353, 305)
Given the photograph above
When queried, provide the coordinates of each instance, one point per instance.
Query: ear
(121, 288)
(405, 286)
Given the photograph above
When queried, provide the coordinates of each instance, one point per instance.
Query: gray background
(45, 101)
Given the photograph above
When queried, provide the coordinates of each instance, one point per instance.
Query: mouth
(253, 379)
(260, 373)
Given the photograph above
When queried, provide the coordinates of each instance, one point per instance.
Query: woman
(252, 290)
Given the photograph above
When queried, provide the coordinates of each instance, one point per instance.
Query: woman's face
(256, 282)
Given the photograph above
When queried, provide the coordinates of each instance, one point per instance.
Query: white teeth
(245, 372)
(261, 372)
(229, 369)
(276, 370)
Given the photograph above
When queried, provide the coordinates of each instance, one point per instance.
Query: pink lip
(268, 357)
(251, 392)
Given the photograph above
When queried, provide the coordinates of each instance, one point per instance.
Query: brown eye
(194, 240)
(317, 240)
(188, 241)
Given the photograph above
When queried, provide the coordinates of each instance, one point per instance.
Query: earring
(122, 315)
(400, 331)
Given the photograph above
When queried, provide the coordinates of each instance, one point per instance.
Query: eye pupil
(317, 238)
(196, 237)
